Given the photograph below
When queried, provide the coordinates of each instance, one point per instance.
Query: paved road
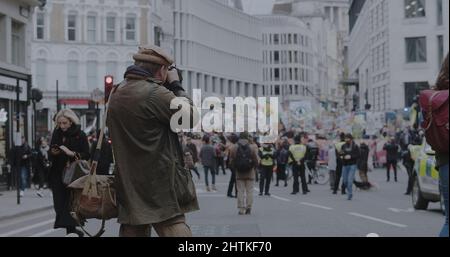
(386, 212)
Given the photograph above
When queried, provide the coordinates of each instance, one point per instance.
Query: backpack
(244, 161)
(283, 156)
(434, 105)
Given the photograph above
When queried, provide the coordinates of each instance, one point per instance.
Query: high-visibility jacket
(268, 161)
(339, 146)
(298, 152)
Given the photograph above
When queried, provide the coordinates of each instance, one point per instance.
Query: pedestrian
(297, 153)
(148, 154)
(244, 159)
(68, 144)
(267, 156)
(349, 154)
(42, 165)
(208, 159)
(192, 148)
(311, 156)
(282, 158)
(442, 157)
(363, 165)
(332, 165)
(339, 163)
(21, 157)
(391, 149)
(233, 139)
(220, 155)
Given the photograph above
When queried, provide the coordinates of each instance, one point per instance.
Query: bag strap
(100, 232)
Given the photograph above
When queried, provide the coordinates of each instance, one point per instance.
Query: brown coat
(146, 152)
(245, 175)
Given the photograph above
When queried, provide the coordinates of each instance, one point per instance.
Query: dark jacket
(147, 152)
(392, 151)
(363, 158)
(17, 156)
(352, 150)
(75, 140)
(193, 150)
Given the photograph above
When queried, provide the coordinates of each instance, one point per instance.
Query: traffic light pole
(17, 160)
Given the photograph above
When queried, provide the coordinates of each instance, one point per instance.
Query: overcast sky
(258, 6)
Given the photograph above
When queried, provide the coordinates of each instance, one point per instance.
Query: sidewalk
(30, 203)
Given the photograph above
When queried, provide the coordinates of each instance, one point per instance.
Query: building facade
(77, 43)
(327, 20)
(288, 58)
(396, 49)
(219, 48)
(15, 75)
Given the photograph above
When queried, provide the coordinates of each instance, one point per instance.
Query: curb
(25, 213)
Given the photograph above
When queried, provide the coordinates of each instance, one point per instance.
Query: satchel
(94, 196)
(74, 171)
(435, 105)
(184, 187)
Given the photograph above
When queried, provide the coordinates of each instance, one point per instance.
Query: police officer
(266, 153)
(297, 153)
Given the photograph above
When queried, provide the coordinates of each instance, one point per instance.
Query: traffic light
(36, 95)
(109, 83)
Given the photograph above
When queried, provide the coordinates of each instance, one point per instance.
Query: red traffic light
(109, 83)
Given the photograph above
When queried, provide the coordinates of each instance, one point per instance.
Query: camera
(178, 71)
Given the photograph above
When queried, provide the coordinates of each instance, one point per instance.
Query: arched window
(112, 65)
(72, 71)
(92, 71)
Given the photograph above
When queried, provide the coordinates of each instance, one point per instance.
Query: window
(41, 73)
(277, 90)
(158, 34)
(412, 89)
(440, 15)
(71, 27)
(295, 39)
(276, 57)
(92, 74)
(440, 40)
(276, 39)
(72, 74)
(130, 28)
(91, 28)
(277, 74)
(111, 68)
(17, 43)
(40, 26)
(110, 29)
(416, 49)
(414, 8)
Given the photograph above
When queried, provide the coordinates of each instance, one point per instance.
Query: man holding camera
(147, 151)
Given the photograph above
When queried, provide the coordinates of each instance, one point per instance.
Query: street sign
(97, 95)
(3, 115)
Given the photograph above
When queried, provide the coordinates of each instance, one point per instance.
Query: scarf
(137, 71)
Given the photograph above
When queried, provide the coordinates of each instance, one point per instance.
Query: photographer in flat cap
(150, 175)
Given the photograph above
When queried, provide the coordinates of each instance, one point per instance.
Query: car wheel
(418, 201)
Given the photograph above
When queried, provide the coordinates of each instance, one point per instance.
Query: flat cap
(153, 54)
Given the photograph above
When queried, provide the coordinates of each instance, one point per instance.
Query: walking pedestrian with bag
(435, 106)
(244, 159)
(68, 144)
(350, 154)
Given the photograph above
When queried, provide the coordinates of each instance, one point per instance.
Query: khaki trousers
(245, 193)
(175, 227)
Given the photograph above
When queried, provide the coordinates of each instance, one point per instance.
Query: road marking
(281, 198)
(210, 195)
(316, 205)
(378, 220)
(46, 214)
(46, 232)
(17, 231)
(409, 210)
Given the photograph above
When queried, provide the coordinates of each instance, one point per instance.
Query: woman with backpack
(442, 156)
